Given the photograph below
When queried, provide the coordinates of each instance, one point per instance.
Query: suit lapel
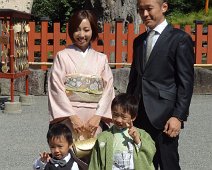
(162, 40)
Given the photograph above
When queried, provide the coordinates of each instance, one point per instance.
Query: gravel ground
(23, 136)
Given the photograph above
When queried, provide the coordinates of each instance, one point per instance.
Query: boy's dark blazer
(165, 83)
(82, 165)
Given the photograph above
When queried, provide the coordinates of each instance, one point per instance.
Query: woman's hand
(93, 124)
(77, 124)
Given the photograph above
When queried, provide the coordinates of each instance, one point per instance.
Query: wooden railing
(117, 45)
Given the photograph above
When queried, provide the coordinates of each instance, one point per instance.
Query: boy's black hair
(57, 130)
(128, 103)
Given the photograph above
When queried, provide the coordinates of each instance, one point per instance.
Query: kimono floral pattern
(87, 88)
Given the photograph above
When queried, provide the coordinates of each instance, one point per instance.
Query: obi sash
(84, 88)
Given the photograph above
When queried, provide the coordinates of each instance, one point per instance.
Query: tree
(110, 10)
(106, 10)
(57, 10)
(206, 6)
(186, 6)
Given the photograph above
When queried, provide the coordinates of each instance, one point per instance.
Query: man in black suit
(163, 81)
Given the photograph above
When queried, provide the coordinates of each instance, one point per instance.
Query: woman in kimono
(80, 85)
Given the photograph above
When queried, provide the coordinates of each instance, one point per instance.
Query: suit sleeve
(38, 164)
(133, 74)
(184, 76)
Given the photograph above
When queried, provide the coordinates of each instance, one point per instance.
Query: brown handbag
(83, 148)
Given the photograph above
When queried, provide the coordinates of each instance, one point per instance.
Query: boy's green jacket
(102, 154)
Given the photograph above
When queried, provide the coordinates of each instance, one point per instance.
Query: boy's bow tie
(60, 162)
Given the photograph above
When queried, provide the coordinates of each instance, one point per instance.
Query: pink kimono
(71, 61)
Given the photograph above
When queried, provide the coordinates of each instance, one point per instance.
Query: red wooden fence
(118, 43)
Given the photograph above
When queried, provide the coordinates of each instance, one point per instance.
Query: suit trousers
(166, 157)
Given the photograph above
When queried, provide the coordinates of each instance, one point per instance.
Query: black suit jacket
(82, 165)
(165, 83)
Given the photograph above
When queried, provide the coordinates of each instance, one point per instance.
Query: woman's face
(82, 36)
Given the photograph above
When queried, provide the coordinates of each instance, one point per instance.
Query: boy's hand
(44, 157)
(133, 133)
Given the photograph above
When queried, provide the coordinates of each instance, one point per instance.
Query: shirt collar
(117, 130)
(159, 28)
(67, 158)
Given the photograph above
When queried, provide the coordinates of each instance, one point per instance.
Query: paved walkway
(23, 136)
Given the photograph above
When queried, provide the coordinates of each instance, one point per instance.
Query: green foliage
(185, 6)
(180, 11)
(188, 19)
(57, 10)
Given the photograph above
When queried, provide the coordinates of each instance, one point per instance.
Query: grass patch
(188, 19)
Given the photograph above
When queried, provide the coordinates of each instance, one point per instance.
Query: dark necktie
(60, 162)
(149, 44)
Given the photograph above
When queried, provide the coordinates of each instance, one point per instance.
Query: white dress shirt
(39, 165)
(158, 30)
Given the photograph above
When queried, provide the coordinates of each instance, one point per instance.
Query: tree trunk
(110, 10)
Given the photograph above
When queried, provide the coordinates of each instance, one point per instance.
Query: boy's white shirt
(39, 165)
(121, 140)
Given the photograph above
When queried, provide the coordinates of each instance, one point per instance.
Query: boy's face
(120, 118)
(59, 147)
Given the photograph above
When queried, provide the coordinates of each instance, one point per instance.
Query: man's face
(152, 12)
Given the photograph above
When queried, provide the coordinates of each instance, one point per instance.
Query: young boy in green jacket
(123, 146)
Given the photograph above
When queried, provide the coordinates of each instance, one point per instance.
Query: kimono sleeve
(147, 148)
(104, 105)
(58, 103)
(95, 158)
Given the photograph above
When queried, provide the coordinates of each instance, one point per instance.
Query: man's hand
(172, 127)
(133, 132)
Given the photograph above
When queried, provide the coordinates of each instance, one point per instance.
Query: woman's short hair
(77, 18)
